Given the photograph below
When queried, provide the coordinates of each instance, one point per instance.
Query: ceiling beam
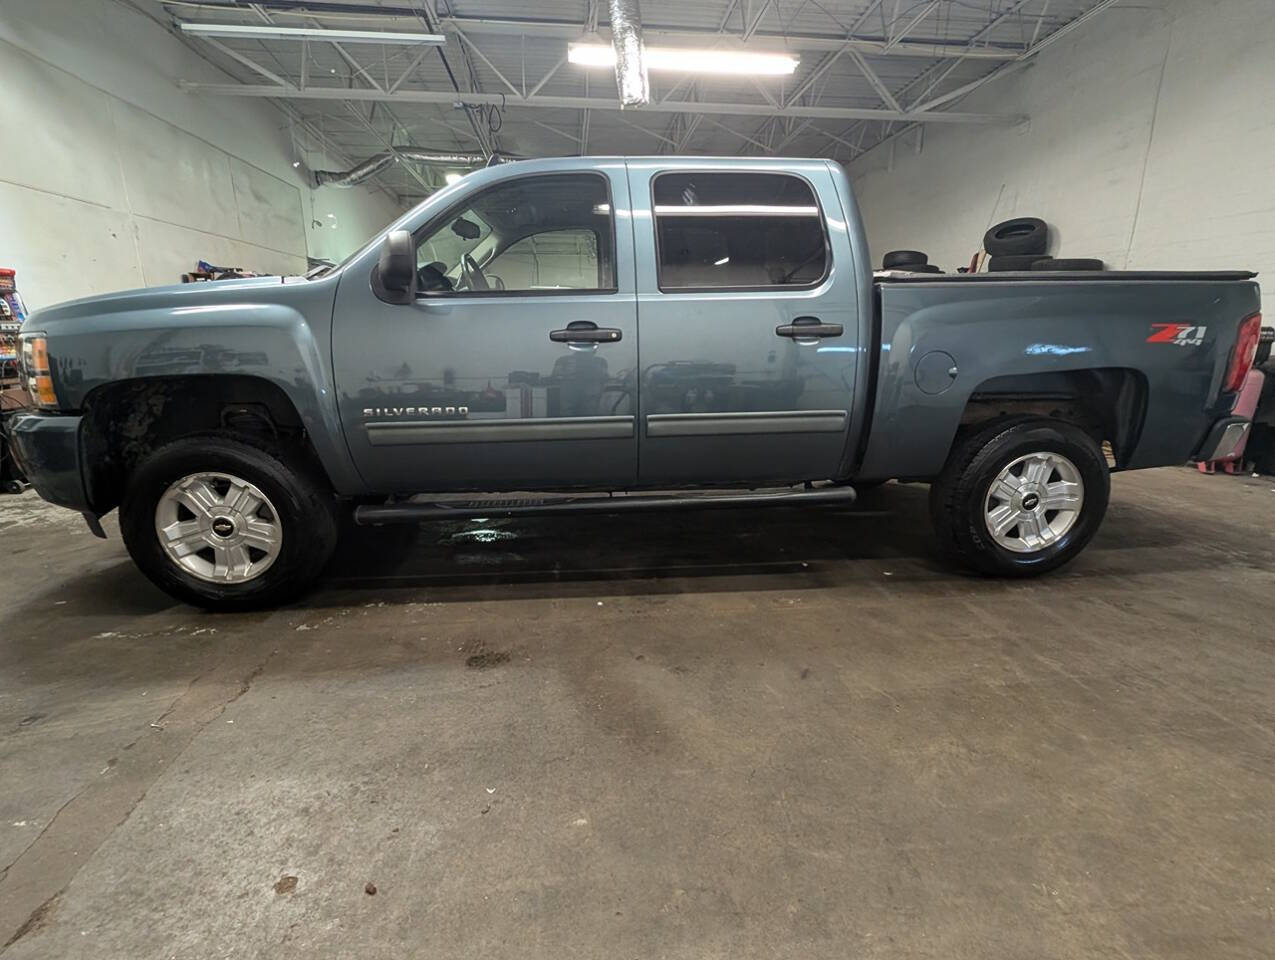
(445, 97)
(901, 35)
(1027, 55)
(871, 76)
(929, 49)
(248, 62)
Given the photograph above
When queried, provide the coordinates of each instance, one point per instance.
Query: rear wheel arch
(1108, 403)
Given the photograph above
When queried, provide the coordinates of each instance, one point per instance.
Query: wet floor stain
(487, 659)
(285, 885)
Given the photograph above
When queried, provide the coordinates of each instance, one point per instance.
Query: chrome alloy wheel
(218, 528)
(1034, 501)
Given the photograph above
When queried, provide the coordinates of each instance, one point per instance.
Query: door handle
(804, 327)
(585, 331)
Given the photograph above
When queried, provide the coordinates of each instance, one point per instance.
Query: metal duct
(630, 68)
(375, 164)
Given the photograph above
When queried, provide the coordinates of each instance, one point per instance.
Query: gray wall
(1150, 146)
(112, 177)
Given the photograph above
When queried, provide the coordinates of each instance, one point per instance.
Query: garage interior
(744, 733)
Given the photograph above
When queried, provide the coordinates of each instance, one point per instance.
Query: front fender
(274, 341)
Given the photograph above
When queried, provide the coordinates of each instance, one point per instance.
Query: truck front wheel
(226, 524)
(1020, 497)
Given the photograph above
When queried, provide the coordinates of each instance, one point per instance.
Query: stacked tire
(1020, 244)
(910, 261)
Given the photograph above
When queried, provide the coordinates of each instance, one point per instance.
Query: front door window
(549, 233)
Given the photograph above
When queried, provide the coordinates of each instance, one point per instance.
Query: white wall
(112, 177)
(1151, 145)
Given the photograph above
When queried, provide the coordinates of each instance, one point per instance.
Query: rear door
(748, 307)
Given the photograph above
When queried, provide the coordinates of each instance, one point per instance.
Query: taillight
(34, 372)
(1242, 356)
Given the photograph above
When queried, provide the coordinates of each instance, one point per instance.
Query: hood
(177, 295)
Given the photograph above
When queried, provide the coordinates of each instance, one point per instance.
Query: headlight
(33, 370)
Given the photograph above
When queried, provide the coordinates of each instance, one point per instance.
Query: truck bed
(1159, 340)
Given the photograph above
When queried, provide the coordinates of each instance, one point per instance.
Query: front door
(515, 367)
(749, 309)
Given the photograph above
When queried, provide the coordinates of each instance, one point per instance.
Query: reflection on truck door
(749, 318)
(516, 365)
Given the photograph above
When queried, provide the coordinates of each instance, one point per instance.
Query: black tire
(958, 498)
(896, 259)
(307, 513)
(1001, 264)
(1072, 263)
(920, 268)
(1265, 338)
(1018, 237)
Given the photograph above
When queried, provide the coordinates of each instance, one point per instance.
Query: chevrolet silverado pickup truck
(611, 334)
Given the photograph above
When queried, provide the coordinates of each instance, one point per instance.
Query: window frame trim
(768, 287)
(419, 235)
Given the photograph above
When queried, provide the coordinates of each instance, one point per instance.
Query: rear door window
(741, 231)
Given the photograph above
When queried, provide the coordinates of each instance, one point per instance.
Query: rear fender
(1032, 330)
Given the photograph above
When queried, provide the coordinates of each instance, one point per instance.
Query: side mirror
(396, 270)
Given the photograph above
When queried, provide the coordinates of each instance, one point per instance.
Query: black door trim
(394, 434)
(734, 424)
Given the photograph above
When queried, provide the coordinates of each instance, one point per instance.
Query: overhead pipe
(630, 65)
(378, 162)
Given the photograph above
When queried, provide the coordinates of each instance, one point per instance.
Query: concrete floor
(767, 734)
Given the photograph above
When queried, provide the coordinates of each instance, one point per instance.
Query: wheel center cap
(1030, 502)
(223, 526)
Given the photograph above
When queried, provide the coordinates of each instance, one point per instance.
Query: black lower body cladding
(967, 511)
(1018, 237)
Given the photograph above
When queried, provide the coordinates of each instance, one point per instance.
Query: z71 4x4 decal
(1182, 334)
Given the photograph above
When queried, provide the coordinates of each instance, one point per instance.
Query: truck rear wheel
(226, 524)
(1020, 497)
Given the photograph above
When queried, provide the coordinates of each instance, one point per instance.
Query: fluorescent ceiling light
(270, 32)
(689, 61)
(452, 177)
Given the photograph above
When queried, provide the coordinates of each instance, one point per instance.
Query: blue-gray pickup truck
(609, 334)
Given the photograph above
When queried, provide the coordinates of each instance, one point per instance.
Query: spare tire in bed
(1026, 262)
(1017, 237)
(901, 259)
(1073, 263)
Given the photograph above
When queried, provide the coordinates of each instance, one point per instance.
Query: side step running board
(414, 511)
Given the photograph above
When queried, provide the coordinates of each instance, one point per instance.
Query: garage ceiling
(870, 72)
